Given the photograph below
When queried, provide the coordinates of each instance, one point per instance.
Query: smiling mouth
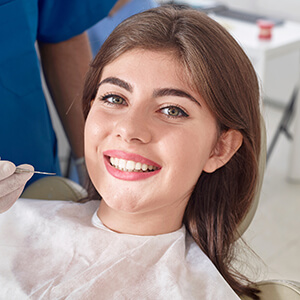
(131, 166)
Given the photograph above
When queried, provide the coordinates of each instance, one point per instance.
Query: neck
(145, 223)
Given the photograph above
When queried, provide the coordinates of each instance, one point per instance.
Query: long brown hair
(223, 75)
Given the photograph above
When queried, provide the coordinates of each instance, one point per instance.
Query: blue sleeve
(60, 20)
(99, 32)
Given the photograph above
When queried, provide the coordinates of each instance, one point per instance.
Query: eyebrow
(157, 93)
(117, 81)
(174, 92)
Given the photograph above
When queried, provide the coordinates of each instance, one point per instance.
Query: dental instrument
(23, 170)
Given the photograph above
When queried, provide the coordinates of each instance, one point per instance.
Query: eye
(174, 112)
(112, 99)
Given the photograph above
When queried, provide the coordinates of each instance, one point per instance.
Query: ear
(227, 145)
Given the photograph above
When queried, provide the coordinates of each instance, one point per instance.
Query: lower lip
(129, 176)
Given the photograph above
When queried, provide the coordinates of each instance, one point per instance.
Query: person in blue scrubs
(53, 30)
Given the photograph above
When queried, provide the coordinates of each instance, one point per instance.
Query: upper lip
(130, 156)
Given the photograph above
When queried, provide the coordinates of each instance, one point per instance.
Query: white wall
(288, 9)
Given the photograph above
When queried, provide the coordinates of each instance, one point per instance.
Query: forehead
(150, 65)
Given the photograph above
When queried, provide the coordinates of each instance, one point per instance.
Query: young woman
(172, 142)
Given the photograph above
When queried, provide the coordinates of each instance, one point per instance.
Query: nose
(134, 127)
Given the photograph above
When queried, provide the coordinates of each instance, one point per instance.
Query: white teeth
(130, 166)
(122, 164)
(138, 166)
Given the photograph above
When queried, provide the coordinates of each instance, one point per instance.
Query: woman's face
(148, 136)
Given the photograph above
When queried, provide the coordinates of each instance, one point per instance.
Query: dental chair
(55, 188)
(60, 188)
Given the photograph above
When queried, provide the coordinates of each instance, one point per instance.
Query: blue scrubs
(26, 132)
(99, 32)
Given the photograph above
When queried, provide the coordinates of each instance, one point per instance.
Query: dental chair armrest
(278, 290)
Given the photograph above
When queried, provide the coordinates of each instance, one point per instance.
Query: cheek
(94, 134)
(190, 150)
(91, 134)
(96, 128)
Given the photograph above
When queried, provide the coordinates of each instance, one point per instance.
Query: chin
(129, 208)
(120, 203)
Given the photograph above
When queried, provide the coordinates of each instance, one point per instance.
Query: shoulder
(36, 225)
(27, 213)
(205, 279)
(61, 20)
(48, 231)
